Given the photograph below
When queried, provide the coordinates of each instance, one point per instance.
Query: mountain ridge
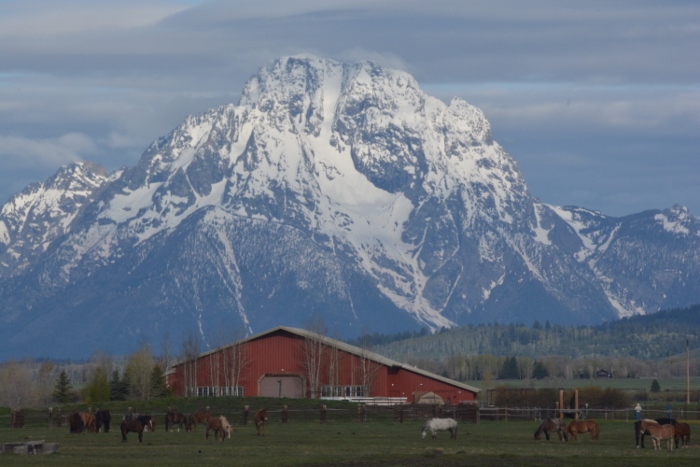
(334, 190)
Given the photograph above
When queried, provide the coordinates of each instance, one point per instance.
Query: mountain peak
(330, 188)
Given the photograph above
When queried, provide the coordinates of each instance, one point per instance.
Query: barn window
(331, 391)
(232, 391)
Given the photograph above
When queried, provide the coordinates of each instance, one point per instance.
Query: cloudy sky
(598, 101)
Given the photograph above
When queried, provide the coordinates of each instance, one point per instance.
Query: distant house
(290, 362)
(603, 374)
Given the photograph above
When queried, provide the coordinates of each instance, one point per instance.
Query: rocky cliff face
(332, 190)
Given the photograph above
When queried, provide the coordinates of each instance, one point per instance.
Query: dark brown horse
(103, 419)
(219, 425)
(583, 426)
(75, 422)
(552, 424)
(137, 426)
(260, 418)
(198, 417)
(682, 434)
(172, 419)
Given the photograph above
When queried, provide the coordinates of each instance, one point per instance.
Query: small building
(296, 363)
(603, 374)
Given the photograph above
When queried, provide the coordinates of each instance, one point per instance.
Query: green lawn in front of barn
(349, 443)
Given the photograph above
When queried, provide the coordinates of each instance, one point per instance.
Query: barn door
(282, 386)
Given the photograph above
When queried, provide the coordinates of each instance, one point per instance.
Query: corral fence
(359, 413)
(538, 413)
(356, 413)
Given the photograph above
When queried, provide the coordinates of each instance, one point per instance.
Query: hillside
(645, 337)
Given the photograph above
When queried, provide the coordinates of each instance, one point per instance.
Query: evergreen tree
(539, 371)
(63, 388)
(159, 388)
(655, 386)
(510, 369)
(118, 389)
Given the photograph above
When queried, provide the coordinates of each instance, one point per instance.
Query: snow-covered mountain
(331, 190)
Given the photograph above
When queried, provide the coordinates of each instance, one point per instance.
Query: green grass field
(349, 443)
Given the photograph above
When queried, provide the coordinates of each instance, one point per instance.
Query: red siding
(282, 352)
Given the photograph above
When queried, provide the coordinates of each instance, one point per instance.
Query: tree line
(139, 376)
(640, 346)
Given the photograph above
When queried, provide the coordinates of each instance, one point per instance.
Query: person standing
(637, 412)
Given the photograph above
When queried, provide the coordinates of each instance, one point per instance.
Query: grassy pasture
(349, 443)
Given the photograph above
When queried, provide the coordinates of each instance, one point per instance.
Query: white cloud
(25, 152)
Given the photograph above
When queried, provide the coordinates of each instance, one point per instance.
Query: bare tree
(313, 352)
(46, 378)
(368, 369)
(234, 361)
(189, 353)
(334, 366)
(16, 388)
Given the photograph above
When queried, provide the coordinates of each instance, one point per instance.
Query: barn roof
(351, 349)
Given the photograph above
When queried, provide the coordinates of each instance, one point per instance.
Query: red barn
(290, 362)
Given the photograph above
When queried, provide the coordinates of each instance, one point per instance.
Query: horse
(682, 434)
(552, 424)
(639, 435)
(219, 425)
(198, 417)
(440, 424)
(658, 433)
(172, 419)
(583, 426)
(260, 419)
(137, 426)
(75, 422)
(103, 418)
(89, 421)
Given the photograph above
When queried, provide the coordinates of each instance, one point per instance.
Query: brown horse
(89, 421)
(137, 426)
(219, 425)
(682, 434)
(198, 417)
(583, 426)
(658, 433)
(639, 435)
(552, 424)
(172, 419)
(260, 418)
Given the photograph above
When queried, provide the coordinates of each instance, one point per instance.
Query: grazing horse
(552, 424)
(103, 418)
(137, 426)
(584, 426)
(260, 419)
(219, 425)
(76, 423)
(172, 419)
(682, 434)
(198, 417)
(89, 421)
(440, 424)
(658, 433)
(639, 435)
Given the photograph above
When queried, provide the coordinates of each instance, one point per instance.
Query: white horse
(440, 424)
